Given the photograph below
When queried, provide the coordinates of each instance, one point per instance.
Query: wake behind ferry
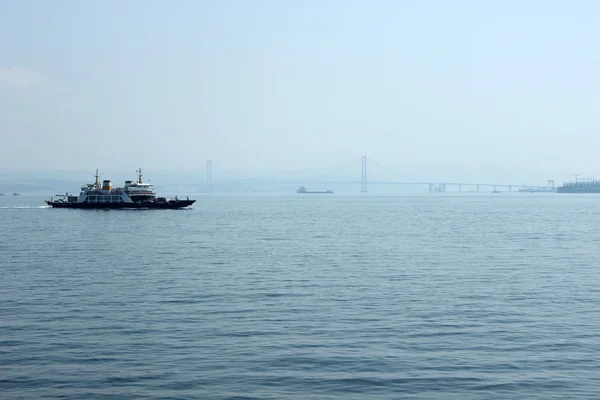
(132, 195)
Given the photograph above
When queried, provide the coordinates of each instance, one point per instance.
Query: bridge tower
(209, 172)
(363, 181)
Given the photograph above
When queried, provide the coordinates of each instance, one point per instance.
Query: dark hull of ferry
(566, 189)
(169, 205)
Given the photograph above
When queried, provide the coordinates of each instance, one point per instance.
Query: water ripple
(295, 298)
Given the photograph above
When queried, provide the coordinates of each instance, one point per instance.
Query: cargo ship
(302, 189)
(585, 185)
(132, 195)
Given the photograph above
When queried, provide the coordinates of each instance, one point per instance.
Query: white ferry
(132, 195)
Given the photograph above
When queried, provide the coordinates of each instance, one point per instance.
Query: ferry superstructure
(132, 195)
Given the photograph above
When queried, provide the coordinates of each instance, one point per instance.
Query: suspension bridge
(324, 178)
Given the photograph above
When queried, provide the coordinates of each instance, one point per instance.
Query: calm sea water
(303, 297)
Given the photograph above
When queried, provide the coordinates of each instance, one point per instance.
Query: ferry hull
(169, 205)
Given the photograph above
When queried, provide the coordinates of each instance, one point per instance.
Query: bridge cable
(394, 173)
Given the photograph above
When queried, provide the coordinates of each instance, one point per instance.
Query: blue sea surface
(303, 297)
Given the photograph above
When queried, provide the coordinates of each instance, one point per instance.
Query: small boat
(16, 194)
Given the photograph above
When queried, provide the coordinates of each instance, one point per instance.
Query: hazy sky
(492, 86)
